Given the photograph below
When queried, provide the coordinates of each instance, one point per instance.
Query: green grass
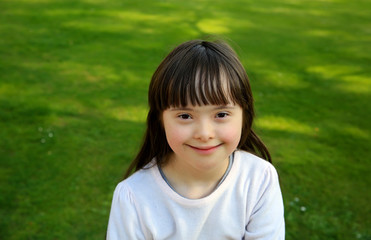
(73, 87)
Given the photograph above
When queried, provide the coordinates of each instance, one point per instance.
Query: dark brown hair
(197, 72)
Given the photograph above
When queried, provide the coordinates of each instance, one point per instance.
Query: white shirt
(247, 205)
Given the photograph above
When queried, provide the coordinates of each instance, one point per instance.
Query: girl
(198, 174)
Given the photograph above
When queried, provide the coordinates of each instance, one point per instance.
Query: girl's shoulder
(251, 160)
(252, 166)
(139, 183)
(140, 178)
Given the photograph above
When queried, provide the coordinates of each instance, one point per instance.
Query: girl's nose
(204, 131)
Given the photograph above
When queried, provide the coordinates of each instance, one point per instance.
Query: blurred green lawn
(73, 87)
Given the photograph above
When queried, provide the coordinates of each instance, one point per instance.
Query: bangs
(201, 76)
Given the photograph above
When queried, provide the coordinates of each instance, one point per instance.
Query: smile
(205, 149)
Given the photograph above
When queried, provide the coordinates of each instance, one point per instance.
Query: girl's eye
(222, 115)
(184, 116)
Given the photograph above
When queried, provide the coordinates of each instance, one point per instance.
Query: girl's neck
(193, 183)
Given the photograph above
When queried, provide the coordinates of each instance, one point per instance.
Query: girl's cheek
(230, 135)
(175, 134)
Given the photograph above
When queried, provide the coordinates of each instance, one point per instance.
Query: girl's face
(202, 137)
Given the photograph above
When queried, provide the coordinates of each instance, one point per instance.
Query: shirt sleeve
(267, 219)
(124, 222)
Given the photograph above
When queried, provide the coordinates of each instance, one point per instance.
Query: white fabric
(247, 205)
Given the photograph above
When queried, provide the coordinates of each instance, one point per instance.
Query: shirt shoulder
(251, 165)
(264, 198)
(139, 181)
(255, 175)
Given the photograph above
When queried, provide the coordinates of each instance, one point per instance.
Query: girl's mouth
(205, 149)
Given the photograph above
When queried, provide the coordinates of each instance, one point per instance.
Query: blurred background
(74, 77)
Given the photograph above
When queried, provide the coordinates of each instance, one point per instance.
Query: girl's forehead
(202, 96)
(205, 85)
(213, 89)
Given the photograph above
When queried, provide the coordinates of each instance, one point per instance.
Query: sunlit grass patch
(137, 114)
(284, 124)
(214, 26)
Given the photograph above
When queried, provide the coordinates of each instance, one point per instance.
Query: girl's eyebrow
(180, 109)
(190, 109)
(225, 107)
